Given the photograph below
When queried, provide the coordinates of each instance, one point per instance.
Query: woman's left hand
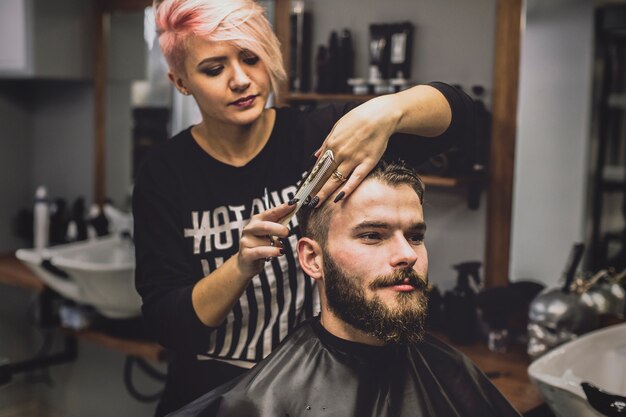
(358, 141)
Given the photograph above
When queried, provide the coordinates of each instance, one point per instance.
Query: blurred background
(84, 96)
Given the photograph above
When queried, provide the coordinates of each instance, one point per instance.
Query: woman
(201, 225)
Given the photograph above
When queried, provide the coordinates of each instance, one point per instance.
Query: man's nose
(403, 254)
(239, 80)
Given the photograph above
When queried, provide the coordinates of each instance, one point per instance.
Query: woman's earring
(184, 91)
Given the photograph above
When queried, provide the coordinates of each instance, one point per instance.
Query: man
(366, 353)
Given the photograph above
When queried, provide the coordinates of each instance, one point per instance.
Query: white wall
(453, 39)
(62, 134)
(552, 137)
(455, 233)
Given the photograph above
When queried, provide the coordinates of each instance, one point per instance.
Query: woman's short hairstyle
(241, 22)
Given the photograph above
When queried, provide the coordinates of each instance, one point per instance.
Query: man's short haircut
(314, 222)
(241, 22)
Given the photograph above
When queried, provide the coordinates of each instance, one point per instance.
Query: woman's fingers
(264, 225)
(275, 214)
(259, 238)
(260, 253)
(343, 182)
(357, 176)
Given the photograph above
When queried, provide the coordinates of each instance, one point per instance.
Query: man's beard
(401, 324)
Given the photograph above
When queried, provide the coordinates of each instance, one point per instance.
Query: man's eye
(372, 236)
(251, 60)
(416, 239)
(213, 71)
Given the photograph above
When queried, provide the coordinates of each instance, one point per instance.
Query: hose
(147, 369)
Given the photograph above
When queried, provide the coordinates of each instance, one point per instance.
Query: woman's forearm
(214, 296)
(424, 111)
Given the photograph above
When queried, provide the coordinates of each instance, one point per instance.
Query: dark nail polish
(282, 251)
(293, 201)
(339, 196)
(314, 202)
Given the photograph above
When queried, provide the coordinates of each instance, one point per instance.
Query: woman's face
(230, 85)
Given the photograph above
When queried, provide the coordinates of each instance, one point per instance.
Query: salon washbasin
(97, 272)
(598, 359)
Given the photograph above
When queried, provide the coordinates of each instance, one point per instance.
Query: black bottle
(460, 305)
(322, 70)
(333, 63)
(78, 218)
(100, 223)
(58, 222)
(345, 68)
(435, 319)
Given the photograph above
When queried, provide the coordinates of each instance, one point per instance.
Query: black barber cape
(313, 373)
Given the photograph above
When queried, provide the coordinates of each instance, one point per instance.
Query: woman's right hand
(255, 244)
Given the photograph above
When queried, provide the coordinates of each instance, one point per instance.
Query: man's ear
(310, 257)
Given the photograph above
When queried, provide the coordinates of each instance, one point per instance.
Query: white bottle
(94, 211)
(41, 225)
(119, 221)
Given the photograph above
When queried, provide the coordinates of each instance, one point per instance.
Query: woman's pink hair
(241, 22)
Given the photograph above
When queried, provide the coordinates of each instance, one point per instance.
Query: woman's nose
(239, 80)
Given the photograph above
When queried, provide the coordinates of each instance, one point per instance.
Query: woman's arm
(423, 111)
(360, 137)
(214, 296)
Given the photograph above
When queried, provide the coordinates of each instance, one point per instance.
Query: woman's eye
(251, 60)
(213, 71)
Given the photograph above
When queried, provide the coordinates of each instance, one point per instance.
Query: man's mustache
(400, 277)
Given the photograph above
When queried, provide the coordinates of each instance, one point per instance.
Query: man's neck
(343, 330)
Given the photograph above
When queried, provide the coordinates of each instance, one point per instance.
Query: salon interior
(526, 226)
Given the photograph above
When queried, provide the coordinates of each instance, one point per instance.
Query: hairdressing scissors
(317, 177)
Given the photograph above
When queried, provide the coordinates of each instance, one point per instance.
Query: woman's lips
(244, 101)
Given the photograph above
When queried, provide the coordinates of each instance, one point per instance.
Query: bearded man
(366, 353)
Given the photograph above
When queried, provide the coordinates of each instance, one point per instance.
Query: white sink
(598, 357)
(99, 273)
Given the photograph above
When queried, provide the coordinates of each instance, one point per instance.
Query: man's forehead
(375, 201)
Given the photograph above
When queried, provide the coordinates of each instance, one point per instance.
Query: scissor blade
(317, 177)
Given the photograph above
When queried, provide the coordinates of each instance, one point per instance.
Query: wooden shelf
(13, 272)
(449, 182)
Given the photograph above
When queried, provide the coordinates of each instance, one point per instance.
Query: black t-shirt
(189, 210)
(314, 372)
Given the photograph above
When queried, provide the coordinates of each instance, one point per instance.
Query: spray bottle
(460, 305)
(41, 230)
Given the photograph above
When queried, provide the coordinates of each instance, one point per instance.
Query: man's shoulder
(266, 385)
(439, 352)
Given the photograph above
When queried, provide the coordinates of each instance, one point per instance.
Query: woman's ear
(310, 257)
(178, 83)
